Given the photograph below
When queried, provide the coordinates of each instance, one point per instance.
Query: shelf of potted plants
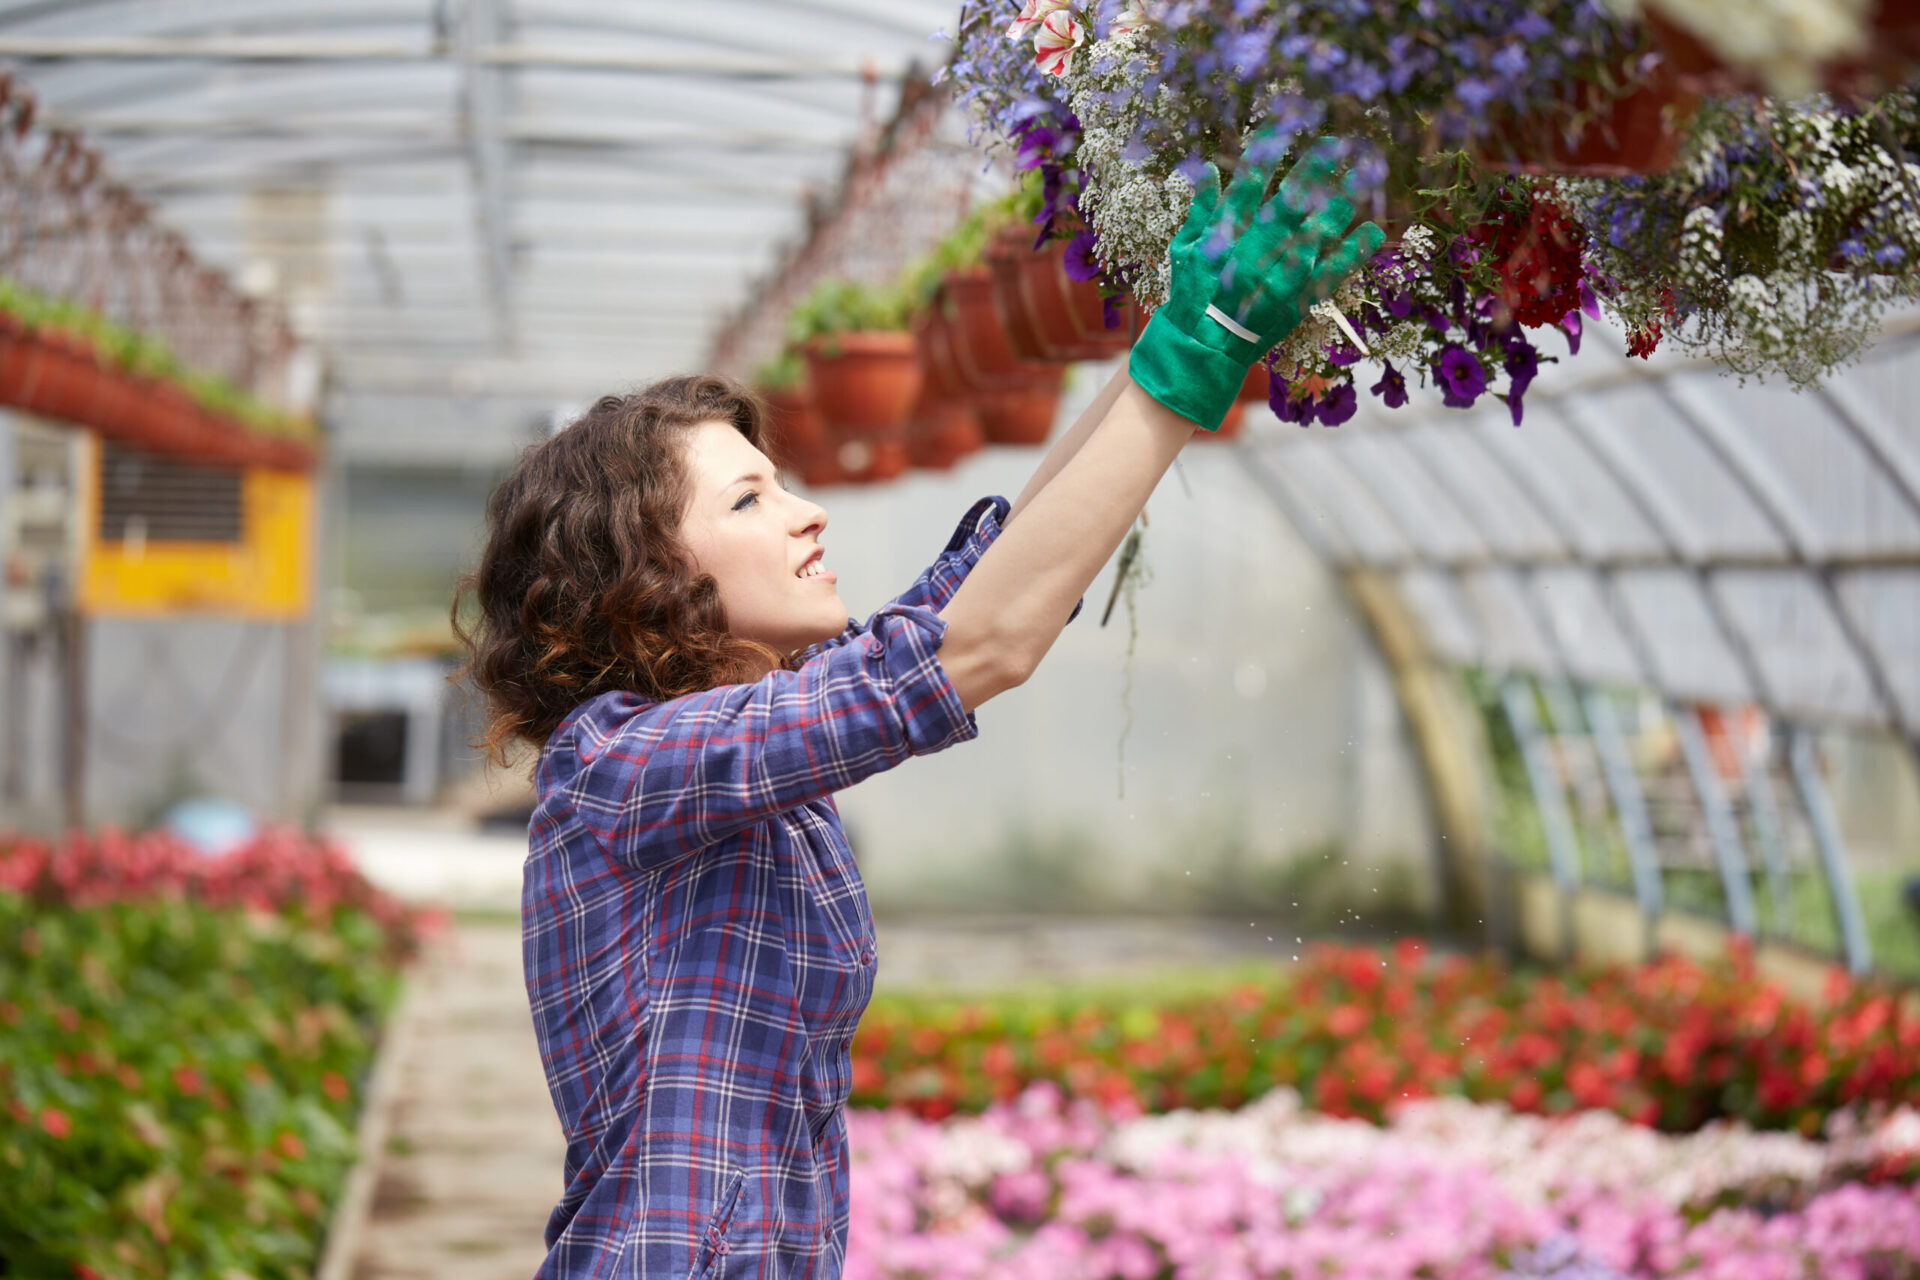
(965, 327)
(65, 362)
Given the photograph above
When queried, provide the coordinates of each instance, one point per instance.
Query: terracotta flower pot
(1058, 318)
(871, 459)
(864, 384)
(1641, 131)
(933, 342)
(1004, 259)
(982, 354)
(1021, 415)
(796, 425)
(943, 432)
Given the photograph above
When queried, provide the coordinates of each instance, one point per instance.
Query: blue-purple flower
(1461, 376)
(1392, 387)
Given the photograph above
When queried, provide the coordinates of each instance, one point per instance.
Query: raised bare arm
(1012, 606)
(1069, 444)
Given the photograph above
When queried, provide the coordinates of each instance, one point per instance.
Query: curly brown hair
(584, 586)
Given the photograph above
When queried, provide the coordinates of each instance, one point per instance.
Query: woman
(657, 618)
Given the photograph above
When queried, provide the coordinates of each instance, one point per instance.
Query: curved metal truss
(536, 198)
(1655, 531)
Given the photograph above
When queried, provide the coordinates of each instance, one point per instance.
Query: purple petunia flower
(1280, 399)
(1338, 405)
(1343, 354)
(1461, 376)
(1392, 387)
(1080, 262)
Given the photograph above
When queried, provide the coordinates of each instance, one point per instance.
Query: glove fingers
(1345, 258)
(1249, 190)
(1305, 188)
(1206, 198)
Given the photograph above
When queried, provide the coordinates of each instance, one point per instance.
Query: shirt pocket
(716, 1239)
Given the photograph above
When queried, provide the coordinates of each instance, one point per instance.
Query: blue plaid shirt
(699, 948)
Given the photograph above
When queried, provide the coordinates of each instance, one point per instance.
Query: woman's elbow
(982, 669)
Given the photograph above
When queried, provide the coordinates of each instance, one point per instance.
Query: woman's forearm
(1010, 610)
(1069, 444)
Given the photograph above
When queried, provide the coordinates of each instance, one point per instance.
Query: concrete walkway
(470, 1162)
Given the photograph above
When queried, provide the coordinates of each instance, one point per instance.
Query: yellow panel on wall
(267, 574)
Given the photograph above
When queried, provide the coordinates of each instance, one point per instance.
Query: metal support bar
(1722, 831)
(1854, 943)
(493, 53)
(1629, 801)
(1563, 847)
(485, 95)
(1770, 836)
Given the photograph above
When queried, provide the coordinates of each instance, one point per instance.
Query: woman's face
(754, 538)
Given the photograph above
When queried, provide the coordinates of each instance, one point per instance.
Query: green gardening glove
(1244, 276)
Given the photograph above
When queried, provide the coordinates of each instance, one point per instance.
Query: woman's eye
(745, 498)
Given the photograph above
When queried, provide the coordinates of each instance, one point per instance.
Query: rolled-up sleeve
(667, 779)
(977, 531)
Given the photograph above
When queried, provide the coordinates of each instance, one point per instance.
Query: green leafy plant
(784, 372)
(144, 356)
(840, 305)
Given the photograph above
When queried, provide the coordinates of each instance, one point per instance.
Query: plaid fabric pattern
(698, 946)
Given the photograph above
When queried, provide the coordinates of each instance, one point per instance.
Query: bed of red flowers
(183, 1043)
(1670, 1044)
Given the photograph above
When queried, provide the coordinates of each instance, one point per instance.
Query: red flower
(335, 1086)
(189, 1081)
(55, 1122)
(290, 1146)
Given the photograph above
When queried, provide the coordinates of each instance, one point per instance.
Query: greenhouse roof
(540, 199)
(1660, 525)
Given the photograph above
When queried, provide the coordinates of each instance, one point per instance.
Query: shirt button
(866, 954)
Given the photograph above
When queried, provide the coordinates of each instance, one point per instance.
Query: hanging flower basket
(933, 343)
(1003, 258)
(1022, 414)
(1641, 131)
(796, 425)
(943, 432)
(1050, 315)
(864, 383)
(983, 356)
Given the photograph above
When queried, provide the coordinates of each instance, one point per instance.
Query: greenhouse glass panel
(1503, 513)
(1336, 502)
(1691, 656)
(1572, 487)
(1446, 621)
(1885, 605)
(1807, 465)
(1400, 480)
(1879, 395)
(1697, 500)
(1511, 634)
(1809, 667)
(1591, 643)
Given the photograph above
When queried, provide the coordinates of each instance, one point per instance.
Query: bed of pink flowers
(1047, 1189)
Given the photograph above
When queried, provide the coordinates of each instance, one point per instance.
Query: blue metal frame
(1854, 943)
(1629, 802)
(1768, 834)
(1722, 831)
(1563, 846)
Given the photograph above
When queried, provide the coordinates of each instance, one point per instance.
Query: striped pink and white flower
(1032, 14)
(1059, 35)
